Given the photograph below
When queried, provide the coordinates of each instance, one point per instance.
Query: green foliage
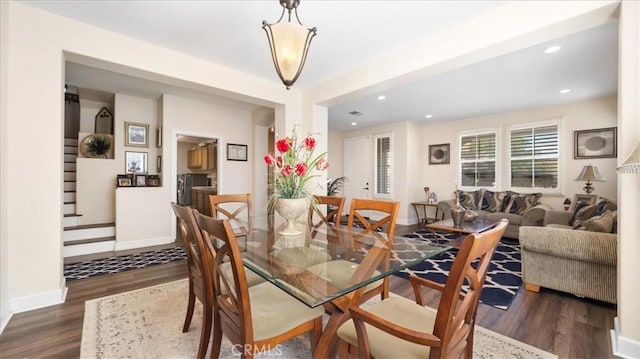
(335, 186)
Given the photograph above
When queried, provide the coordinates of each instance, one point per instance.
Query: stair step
(72, 250)
(79, 233)
(69, 185)
(72, 215)
(69, 197)
(70, 176)
(70, 158)
(69, 166)
(69, 208)
(69, 221)
(89, 240)
(71, 142)
(85, 226)
(70, 150)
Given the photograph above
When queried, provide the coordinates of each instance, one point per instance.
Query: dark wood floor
(559, 323)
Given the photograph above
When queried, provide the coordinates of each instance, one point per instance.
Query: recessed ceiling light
(428, 116)
(565, 90)
(552, 49)
(381, 97)
(353, 123)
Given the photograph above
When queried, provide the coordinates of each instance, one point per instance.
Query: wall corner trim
(623, 347)
(5, 316)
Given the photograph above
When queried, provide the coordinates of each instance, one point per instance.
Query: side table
(425, 205)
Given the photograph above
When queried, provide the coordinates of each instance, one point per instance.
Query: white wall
(5, 308)
(335, 154)
(596, 113)
(89, 108)
(33, 63)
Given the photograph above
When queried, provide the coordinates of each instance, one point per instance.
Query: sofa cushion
(521, 202)
(514, 219)
(491, 201)
(604, 204)
(579, 206)
(469, 200)
(602, 223)
(582, 214)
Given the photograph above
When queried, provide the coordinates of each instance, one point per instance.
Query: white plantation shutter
(383, 165)
(535, 157)
(478, 160)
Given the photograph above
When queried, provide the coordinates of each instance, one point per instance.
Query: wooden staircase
(80, 239)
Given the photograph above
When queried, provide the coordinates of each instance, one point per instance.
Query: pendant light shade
(289, 43)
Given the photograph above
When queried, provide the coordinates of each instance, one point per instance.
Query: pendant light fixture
(289, 41)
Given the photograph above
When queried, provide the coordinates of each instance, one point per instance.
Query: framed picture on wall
(598, 143)
(236, 152)
(135, 162)
(439, 154)
(136, 134)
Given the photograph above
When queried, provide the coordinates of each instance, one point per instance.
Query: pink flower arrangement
(293, 165)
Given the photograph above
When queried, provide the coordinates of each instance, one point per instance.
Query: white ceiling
(351, 33)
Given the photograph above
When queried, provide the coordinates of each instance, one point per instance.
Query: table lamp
(590, 173)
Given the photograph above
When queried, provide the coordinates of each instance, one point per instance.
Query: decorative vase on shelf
(291, 209)
(457, 211)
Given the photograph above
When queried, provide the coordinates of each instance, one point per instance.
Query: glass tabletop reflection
(320, 265)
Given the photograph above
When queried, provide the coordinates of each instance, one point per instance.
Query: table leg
(329, 334)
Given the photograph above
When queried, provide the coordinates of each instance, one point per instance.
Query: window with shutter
(535, 157)
(383, 165)
(478, 160)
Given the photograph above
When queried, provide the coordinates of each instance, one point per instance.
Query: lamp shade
(289, 43)
(590, 173)
(632, 163)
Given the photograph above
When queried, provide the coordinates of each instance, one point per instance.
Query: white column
(626, 333)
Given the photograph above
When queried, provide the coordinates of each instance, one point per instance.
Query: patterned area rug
(504, 277)
(147, 323)
(97, 267)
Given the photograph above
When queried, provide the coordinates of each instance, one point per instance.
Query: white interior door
(357, 169)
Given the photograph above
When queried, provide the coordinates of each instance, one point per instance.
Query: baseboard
(147, 242)
(39, 300)
(623, 347)
(5, 316)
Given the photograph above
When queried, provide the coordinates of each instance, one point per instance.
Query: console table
(425, 205)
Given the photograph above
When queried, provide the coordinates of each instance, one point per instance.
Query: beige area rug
(147, 323)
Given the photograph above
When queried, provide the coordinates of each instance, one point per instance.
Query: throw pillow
(602, 223)
(520, 203)
(469, 200)
(582, 214)
(506, 201)
(579, 205)
(491, 201)
(604, 204)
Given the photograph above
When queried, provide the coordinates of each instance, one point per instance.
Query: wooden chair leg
(532, 287)
(316, 333)
(217, 337)
(205, 332)
(190, 307)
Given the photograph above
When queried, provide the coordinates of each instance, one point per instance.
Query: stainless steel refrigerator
(186, 181)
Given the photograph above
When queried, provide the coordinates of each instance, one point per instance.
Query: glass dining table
(304, 265)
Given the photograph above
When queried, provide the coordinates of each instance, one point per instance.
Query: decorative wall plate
(97, 145)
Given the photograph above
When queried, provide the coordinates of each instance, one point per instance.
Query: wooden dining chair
(335, 206)
(198, 275)
(253, 318)
(340, 271)
(398, 325)
(231, 206)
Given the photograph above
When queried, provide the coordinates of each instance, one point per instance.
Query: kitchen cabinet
(203, 158)
(200, 199)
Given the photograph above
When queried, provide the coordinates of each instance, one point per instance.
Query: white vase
(290, 209)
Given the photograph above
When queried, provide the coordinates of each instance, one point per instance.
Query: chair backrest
(231, 295)
(230, 206)
(455, 320)
(335, 206)
(388, 209)
(198, 262)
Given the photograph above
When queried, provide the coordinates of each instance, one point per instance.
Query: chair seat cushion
(252, 278)
(402, 312)
(339, 272)
(275, 312)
